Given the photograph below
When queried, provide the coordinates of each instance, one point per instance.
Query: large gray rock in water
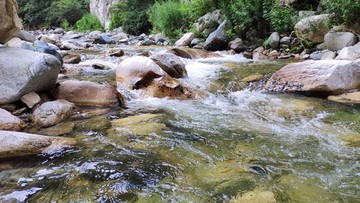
(313, 28)
(350, 53)
(324, 76)
(338, 40)
(51, 113)
(23, 71)
(10, 122)
(101, 9)
(16, 144)
(171, 64)
(217, 39)
(10, 23)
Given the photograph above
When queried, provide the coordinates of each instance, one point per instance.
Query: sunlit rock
(31, 99)
(313, 28)
(57, 130)
(349, 98)
(10, 23)
(352, 140)
(255, 196)
(10, 122)
(51, 113)
(185, 40)
(324, 76)
(252, 78)
(189, 53)
(171, 64)
(16, 144)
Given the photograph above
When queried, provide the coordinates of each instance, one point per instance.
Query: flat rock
(185, 40)
(86, 93)
(16, 144)
(349, 98)
(323, 76)
(31, 99)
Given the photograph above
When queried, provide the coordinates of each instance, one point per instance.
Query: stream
(236, 140)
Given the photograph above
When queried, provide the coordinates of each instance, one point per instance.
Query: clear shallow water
(235, 140)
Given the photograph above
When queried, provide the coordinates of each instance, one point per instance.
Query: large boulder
(10, 23)
(171, 64)
(101, 9)
(143, 73)
(86, 93)
(338, 40)
(350, 53)
(23, 71)
(323, 76)
(313, 28)
(51, 113)
(10, 122)
(208, 20)
(137, 72)
(217, 39)
(185, 40)
(17, 144)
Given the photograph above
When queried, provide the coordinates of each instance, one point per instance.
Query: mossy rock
(352, 140)
(59, 129)
(99, 124)
(256, 196)
(296, 50)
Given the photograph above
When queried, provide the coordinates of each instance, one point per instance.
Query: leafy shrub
(282, 18)
(346, 11)
(34, 12)
(169, 17)
(71, 10)
(132, 16)
(247, 16)
(88, 22)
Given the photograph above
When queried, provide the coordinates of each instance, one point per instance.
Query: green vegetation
(88, 22)
(132, 16)
(281, 18)
(346, 11)
(169, 17)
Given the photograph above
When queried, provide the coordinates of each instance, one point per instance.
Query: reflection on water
(236, 143)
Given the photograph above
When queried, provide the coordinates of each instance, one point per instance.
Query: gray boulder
(323, 76)
(207, 21)
(217, 39)
(51, 113)
(185, 40)
(313, 28)
(274, 40)
(350, 53)
(16, 144)
(171, 64)
(23, 71)
(237, 45)
(338, 40)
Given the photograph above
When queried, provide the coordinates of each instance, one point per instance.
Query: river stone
(31, 99)
(189, 53)
(252, 78)
(237, 45)
(56, 130)
(137, 72)
(255, 196)
(32, 72)
(51, 113)
(185, 40)
(26, 36)
(217, 39)
(86, 93)
(323, 76)
(328, 55)
(349, 98)
(338, 40)
(171, 64)
(350, 53)
(10, 23)
(10, 122)
(207, 21)
(16, 144)
(72, 58)
(274, 40)
(103, 39)
(313, 28)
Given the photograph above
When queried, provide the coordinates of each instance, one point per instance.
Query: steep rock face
(10, 23)
(23, 71)
(101, 9)
(324, 76)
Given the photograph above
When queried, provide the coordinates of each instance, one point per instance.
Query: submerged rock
(51, 113)
(32, 72)
(10, 122)
(16, 144)
(255, 196)
(86, 93)
(324, 76)
(191, 53)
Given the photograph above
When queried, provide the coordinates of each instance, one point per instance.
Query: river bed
(234, 142)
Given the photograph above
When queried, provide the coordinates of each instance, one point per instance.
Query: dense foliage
(49, 13)
(132, 16)
(346, 11)
(88, 22)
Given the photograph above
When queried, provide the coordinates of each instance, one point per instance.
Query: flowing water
(236, 141)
